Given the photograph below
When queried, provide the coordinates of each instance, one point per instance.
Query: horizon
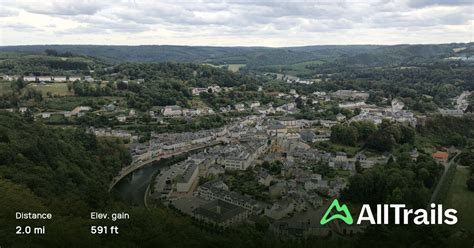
(242, 46)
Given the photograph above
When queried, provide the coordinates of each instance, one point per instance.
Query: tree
(381, 141)
(344, 134)
(358, 166)
(51, 52)
(470, 183)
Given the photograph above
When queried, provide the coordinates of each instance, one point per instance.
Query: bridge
(135, 166)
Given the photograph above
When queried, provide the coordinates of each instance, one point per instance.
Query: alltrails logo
(392, 214)
(346, 217)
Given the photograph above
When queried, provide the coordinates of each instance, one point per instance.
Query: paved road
(441, 180)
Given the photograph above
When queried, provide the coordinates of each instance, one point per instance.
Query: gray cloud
(426, 3)
(66, 8)
(249, 19)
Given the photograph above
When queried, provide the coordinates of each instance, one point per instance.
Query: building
(308, 135)
(215, 170)
(187, 179)
(210, 192)
(121, 118)
(59, 79)
(451, 112)
(239, 107)
(254, 104)
(340, 117)
(44, 78)
(281, 209)
(264, 178)
(440, 156)
(221, 213)
(236, 160)
(350, 94)
(173, 110)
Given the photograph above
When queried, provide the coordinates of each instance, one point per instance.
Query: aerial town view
(236, 123)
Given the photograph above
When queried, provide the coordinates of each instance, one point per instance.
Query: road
(441, 180)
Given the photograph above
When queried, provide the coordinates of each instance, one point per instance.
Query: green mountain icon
(346, 216)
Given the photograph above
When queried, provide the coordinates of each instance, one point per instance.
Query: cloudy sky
(235, 22)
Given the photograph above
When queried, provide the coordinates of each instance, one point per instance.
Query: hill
(257, 57)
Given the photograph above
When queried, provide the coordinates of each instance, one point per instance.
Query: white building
(187, 179)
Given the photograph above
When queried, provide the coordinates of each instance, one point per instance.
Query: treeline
(381, 138)
(38, 64)
(466, 158)
(449, 131)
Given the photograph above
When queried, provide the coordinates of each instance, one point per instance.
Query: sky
(274, 23)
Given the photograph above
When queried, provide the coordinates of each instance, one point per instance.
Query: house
(340, 117)
(315, 184)
(323, 136)
(110, 107)
(80, 109)
(44, 79)
(22, 110)
(397, 105)
(276, 129)
(88, 79)
(239, 107)
(121, 118)
(59, 79)
(264, 178)
(255, 105)
(173, 110)
(308, 136)
(29, 79)
(441, 156)
(45, 115)
(74, 78)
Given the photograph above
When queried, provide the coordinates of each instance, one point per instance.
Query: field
(70, 102)
(230, 67)
(461, 199)
(298, 69)
(235, 67)
(56, 89)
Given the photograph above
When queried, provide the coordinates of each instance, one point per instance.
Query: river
(132, 188)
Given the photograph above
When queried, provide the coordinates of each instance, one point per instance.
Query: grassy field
(461, 199)
(56, 89)
(235, 67)
(230, 67)
(298, 69)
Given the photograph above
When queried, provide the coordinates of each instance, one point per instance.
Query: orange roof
(440, 155)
